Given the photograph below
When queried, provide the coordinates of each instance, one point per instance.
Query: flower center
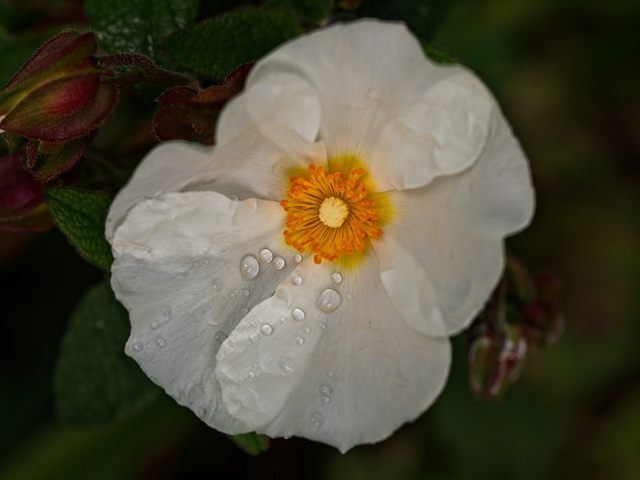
(328, 214)
(333, 212)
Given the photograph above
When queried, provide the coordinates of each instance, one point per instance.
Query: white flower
(424, 180)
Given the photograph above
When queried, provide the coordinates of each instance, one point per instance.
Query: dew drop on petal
(246, 292)
(249, 267)
(220, 337)
(161, 342)
(254, 337)
(166, 313)
(278, 263)
(299, 340)
(307, 330)
(206, 249)
(245, 310)
(154, 325)
(297, 258)
(137, 347)
(286, 365)
(297, 314)
(336, 278)
(326, 390)
(216, 284)
(254, 323)
(266, 329)
(296, 280)
(328, 300)
(317, 420)
(326, 399)
(205, 261)
(251, 374)
(265, 255)
(349, 296)
(283, 319)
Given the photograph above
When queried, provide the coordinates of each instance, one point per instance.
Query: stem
(147, 71)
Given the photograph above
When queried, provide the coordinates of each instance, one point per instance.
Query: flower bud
(58, 94)
(520, 318)
(188, 113)
(22, 204)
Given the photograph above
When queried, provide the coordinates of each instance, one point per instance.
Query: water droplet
(278, 263)
(246, 292)
(254, 323)
(328, 300)
(216, 284)
(299, 340)
(283, 319)
(323, 325)
(349, 296)
(196, 265)
(206, 249)
(254, 365)
(326, 399)
(154, 325)
(297, 258)
(161, 342)
(317, 420)
(137, 347)
(265, 255)
(326, 390)
(286, 365)
(296, 280)
(221, 336)
(232, 296)
(245, 310)
(249, 267)
(254, 337)
(307, 330)
(297, 314)
(205, 261)
(251, 374)
(336, 278)
(234, 197)
(266, 329)
(166, 313)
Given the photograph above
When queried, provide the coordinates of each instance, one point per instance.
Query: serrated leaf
(138, 25)
(217, 46)
(311, 10)
(252, 443)
(81, 215)
(96, 383)
(422, 17)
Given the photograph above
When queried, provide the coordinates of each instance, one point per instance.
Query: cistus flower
(302, 276)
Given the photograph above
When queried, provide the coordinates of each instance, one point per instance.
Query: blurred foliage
(566, 73)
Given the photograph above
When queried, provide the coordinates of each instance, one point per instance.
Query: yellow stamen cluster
(329, 214)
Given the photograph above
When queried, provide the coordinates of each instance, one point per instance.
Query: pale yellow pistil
(333, 212)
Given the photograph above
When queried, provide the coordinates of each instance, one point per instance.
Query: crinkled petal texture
(253, 336)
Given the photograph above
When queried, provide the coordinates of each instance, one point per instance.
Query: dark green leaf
(216, 47)
(311, 10)
(81, 216)
(138, 25)
(251, 443)
(96, 383)
(422, 17)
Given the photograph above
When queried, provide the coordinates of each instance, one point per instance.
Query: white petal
(177, 270)
(346, 377)
(383, 100)
(277, 100)
(447, 238)
(167, 168)
(252, 166)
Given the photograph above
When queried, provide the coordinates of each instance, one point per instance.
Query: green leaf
(422, 17)
(217, 46)
(138, 25)
(96, 383)
(440, 55)
(251, 443)
(311, 10)
(81, 216)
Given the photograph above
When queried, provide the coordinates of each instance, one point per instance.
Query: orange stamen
(331, 232)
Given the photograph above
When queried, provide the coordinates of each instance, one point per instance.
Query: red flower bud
(58, 95)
